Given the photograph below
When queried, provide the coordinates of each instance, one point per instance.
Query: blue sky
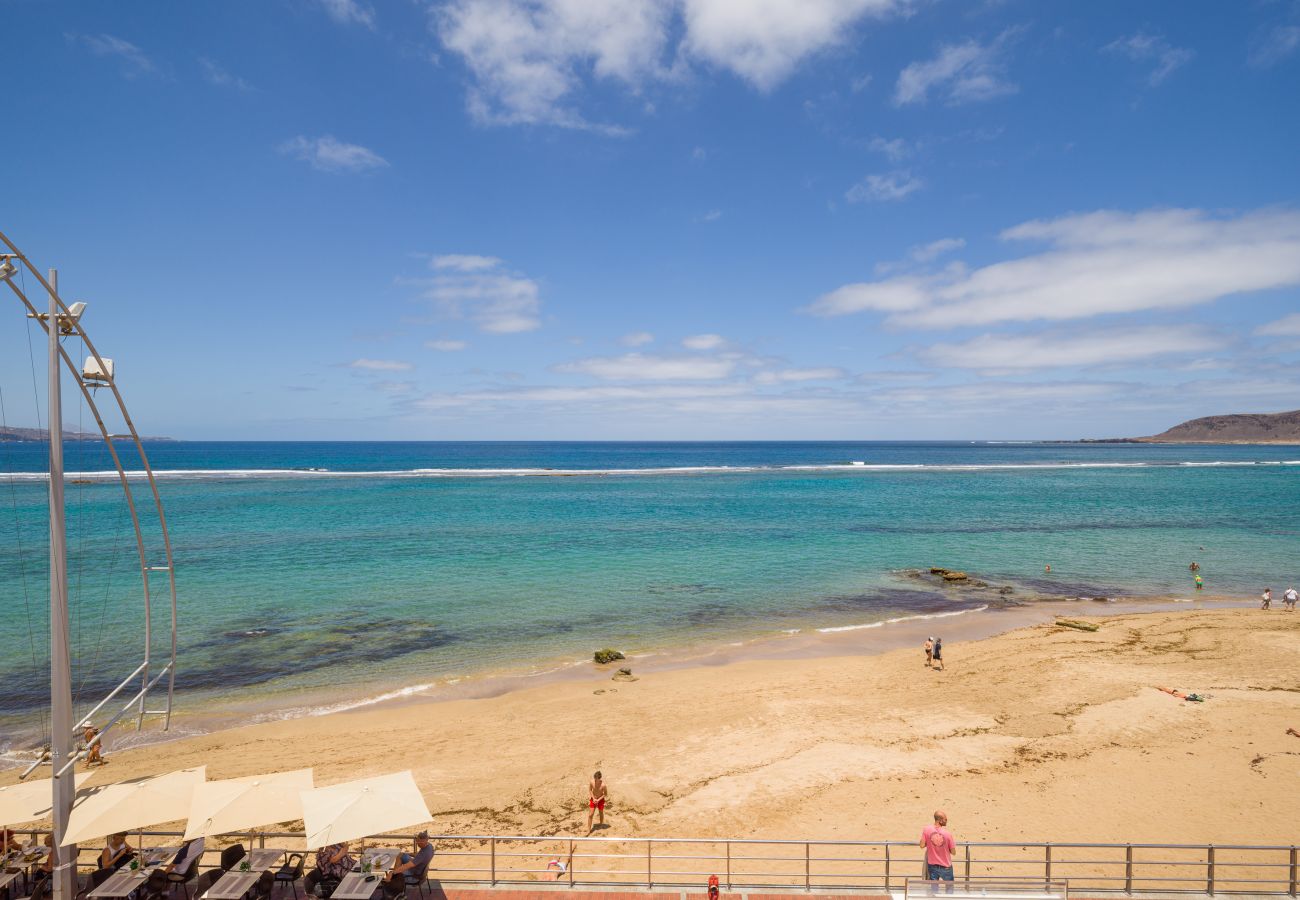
(663, 219)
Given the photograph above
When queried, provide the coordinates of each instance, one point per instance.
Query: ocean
(313, 576)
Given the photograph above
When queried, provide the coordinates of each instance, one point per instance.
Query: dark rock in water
(936, 570)
(955, 576)
(1006, 590)
(608, 655)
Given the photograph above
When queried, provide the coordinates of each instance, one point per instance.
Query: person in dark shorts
(938, 653)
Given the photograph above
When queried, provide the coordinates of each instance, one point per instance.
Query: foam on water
(897, 619)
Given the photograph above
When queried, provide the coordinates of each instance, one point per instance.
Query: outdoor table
(263, 860)
(380, 857)
(232, 886)
(355, 887)
(7, 878)
(123, 882)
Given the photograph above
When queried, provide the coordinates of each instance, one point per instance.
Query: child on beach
(598, 793)
(929, 652)
(1199, 583)
(1266, 599)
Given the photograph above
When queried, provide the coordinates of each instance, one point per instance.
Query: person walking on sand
(598, 793)
(939, 847)
(1289, 598)
(937, 653)
(1266, 599)
(929, 652)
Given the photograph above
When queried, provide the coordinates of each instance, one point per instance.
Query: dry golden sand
(1044, 733)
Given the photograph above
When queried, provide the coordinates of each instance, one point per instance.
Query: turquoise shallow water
(407, 563)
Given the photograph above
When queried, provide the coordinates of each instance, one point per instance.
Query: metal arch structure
(149, 675)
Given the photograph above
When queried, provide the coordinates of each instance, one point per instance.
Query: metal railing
(867, 866)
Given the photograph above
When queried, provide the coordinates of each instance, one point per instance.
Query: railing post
(1293, 870)
(807, 866)
(1128, 868)
(570, 862)
(967, 846)
(1209, 870)
(492, 851)
(1047, 861)
(649, 871)
(729, 867)
(886, 868)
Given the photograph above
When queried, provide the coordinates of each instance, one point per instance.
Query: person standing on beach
(937, 653)
(1289, 598)
(598, 793)
(939, 847)
(1266, 599)
(929, 651)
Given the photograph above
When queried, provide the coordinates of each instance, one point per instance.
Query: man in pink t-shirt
(939, 848)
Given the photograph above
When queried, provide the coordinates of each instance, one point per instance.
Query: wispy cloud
(328, 154)
(1151, 48)
(786, 376)
(884, 186)
(961, 73)
(1287, 326)
(444, 345)
(349, 12)
(648, 367)
(133, 60)
(380, 365)
(637, 339)
(215, 74)
(703, 341)
(1094, 264)
(895, 149)
(484, 291)
(1109, 347)
(1279, 43)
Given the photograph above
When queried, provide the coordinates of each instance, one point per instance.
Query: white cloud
(1281, 42)
(884, 187)
(647, 367)
(1287, 326)
(963, 73)
(703, 341)
(215, 74)
(895, 150)
(1009, 352)
(712, 215)
(464, 262)
(784, 376)
(327, 154)
(933, 250)
(481, 289)
(445, 346)
(530, 59)
(763, 41)
(1094, 264)
(380, 365)
(349, 12)
(861, 83)
(1151, 48)
(529, 56)
(133, 59)
(637, 339)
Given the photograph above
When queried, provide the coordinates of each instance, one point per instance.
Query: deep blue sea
(327, 568)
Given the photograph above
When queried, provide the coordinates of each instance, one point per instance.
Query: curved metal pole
(145, 567)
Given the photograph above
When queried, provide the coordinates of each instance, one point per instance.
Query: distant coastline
(1281, 428)
(43, 434)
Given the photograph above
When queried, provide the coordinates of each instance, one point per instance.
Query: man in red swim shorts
(598, 792)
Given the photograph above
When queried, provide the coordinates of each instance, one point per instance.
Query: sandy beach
(1040, 733)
